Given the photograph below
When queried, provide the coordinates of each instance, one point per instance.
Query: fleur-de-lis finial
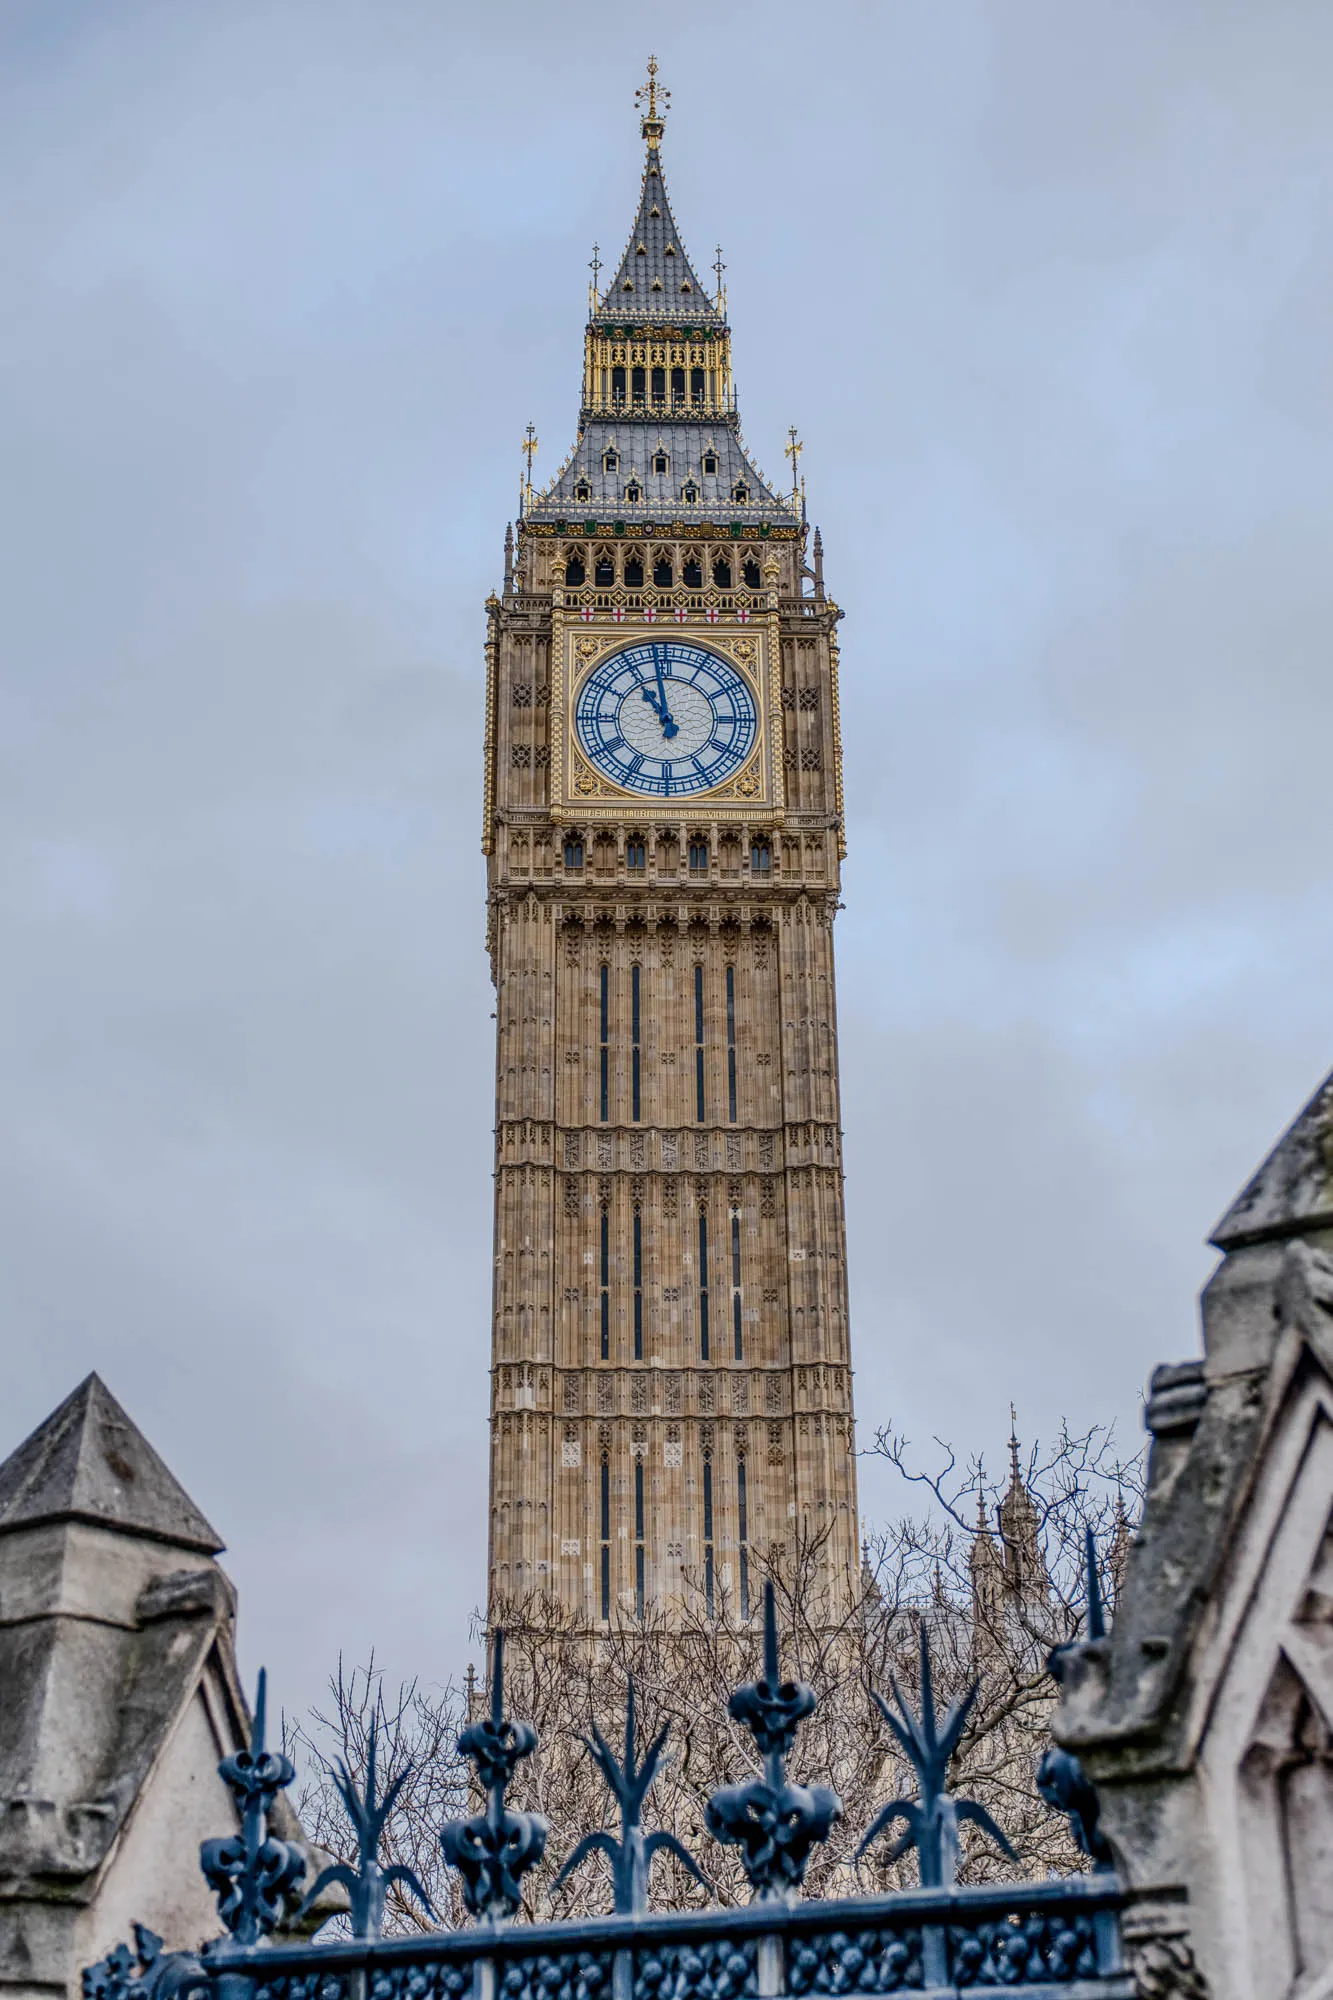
(367, 1884)
(1061, 1778)
(631, 1856)
(775, 1824)
(495, 1849)
(932, 1819)
(251, 1873)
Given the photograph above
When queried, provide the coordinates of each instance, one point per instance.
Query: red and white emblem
(743, 617)
(618, 613)
(649, 613)
(587, 614)
(711, 614)
(681, 614)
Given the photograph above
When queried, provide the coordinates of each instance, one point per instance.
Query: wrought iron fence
(1059, 1936)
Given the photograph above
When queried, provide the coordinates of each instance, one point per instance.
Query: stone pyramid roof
(1293, 1189)
(656, 279)
(89, 1462)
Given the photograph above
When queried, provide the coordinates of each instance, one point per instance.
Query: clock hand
(664, 715)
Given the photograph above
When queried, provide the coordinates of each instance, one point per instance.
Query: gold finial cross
(595, 266)
(646, 97)
(792, 450)
(529, 449)
(719, 267)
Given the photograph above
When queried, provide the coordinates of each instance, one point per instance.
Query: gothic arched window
(634, 573)
(604, 572)
(750, 571)
(722, 574)
(662, 575)
(574, 571)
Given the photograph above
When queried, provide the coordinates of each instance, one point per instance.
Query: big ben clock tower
(671, 1380)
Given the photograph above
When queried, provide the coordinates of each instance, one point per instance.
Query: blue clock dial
(666, 719)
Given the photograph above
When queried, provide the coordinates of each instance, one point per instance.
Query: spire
(655, 279)
(88, 1462)
(1025, 1567)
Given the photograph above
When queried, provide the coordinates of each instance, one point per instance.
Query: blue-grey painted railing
(1059, 1936)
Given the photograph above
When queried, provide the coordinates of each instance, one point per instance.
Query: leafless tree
(995, 1573)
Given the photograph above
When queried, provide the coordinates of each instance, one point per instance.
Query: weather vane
(595, 266)
(719, 267)
(529, 448)
(646, 97)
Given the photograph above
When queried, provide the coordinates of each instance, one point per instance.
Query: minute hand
(664, 715)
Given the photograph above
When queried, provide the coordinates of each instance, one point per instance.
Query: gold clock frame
(580, 794)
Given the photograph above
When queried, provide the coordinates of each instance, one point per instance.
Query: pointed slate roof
(583, 486)
(1293, 1189)
(656, 279)
(89, 1462)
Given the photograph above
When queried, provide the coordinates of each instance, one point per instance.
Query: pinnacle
(88, 1461)
(1293, 1189)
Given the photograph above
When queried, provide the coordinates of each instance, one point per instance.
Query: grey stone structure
(1206, 1717)
(120, 1695)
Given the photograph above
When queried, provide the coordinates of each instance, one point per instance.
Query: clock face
(667, 719)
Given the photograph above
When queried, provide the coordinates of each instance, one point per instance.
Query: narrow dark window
(634, 1044)
(605, 1284)
(703, 1284)
(659, 386)
(692, 575)
(708, 1537)
(761, 858)
(722, 574)
(662, 573)
(582, 492)
(699, 1043)
(638, 1287)
(617, 385)
(574, 571)
(610, 461)
(604, 572)
(661, 463)
(633, 574)
(696, 385)
(605, 1043)
(689, 492)
(710, 459)
(636, 860)
(736, 1284)
(606, 1539)
(731, 1043)
(740, 491)
(637, 382)
(574, 853)
(742, 1511)
(698, 857)
(633, 493)
(638, 1536)
(677, 388)
(750, 571)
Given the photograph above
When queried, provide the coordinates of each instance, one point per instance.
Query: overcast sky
(1047, 289)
